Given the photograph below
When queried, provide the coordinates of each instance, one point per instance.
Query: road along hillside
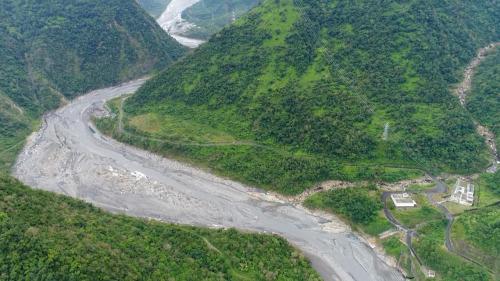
(69, 156)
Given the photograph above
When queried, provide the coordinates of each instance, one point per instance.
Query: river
(68, 156)
(171, 21)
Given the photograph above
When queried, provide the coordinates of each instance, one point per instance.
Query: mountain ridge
(326, 80)
(53, 52)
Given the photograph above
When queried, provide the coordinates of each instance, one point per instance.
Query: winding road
(461, 92)
(69, 156)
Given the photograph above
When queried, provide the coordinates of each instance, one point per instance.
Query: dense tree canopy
(44, 236)
(346, 81)
(357, 204)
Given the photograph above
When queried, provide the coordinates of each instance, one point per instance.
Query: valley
(291, 128)
(47, 60)
(69, 156)
(213, 134)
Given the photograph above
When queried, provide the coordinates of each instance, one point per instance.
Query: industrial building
(403, 200)
(463, 193)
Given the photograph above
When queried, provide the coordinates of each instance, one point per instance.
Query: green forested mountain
(311, 90)
(44, 236)
(210, 16)
(53, 50)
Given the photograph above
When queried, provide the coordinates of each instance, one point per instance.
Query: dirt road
(71, 157)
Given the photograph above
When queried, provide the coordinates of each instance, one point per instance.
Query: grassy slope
(477, 234)
(15, 126)
(423, 213)
(268, 166)
(449, 267)
(489, 189)
(57, 50)
(51, 237)
(210, 16)
(315, 85)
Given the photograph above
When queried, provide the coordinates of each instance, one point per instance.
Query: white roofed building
(403, 200)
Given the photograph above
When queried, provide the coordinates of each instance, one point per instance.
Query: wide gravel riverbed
(69, 156)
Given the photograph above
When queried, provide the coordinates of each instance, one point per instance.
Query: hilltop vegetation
(210, 16)
(44, 236)
(327, 89)
(50, 52)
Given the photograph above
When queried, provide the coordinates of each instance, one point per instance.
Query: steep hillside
(484, 99)
(210, 16)
(44, 236)
(313, 90)
(477, 234)
(51, 51)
